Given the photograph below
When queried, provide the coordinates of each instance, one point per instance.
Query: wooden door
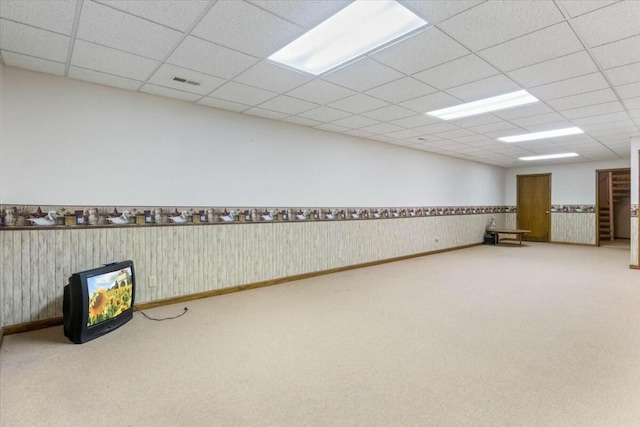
(534, 206)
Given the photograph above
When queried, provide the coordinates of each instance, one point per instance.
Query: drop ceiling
(580, 58)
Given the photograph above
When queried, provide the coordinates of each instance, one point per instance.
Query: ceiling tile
(536, 120)
(572, 86)
(610, 125)
(544, 125)
(31, 63)
(362, 75)
(358, 133)
(477, 140)
(382, 128)
(632, 103)
(302, 121)
(403, 134)
(102, 78)
(459, 71)
(111, 61)
(603, 118)
(482, 119)
(583, 99)
(630, 90)
(431, 102)
(242, 94)
(223, 105)
(52, 15)
(435, 11)
(288, 105)
(523, 111)
(176, 14)
(576, 8)
(165, 74)
(330, 127)
(618, 53)
(355, 122)
(626, 74)
(307, 14)
(31, 41)
(415, 121)
(539, 46)
(320, 92)
(492, 127)
(358, 104)
(635, 113)
(427, 49)
(324, 114)
(272, 77)
(437, 127)
(593, 110)
(390, 112)
(169, 93)
(268, 32)
(565, 67)
(267, 114)
(453, 134)
(498, 21)
(109, 27)
(596, 27)
(210, 58)
(401, 90)
(485, 88)
(381, 138)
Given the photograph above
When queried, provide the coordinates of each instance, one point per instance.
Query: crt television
(98, 301)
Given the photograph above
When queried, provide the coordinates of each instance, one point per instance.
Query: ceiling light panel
(358, 28)
(500, 102)
(542, 135)
(549, 156)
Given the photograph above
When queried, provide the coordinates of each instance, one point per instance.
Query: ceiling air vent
(189, 82)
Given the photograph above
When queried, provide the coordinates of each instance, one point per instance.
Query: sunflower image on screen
(109, 295)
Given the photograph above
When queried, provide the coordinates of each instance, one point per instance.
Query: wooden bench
(512, 231)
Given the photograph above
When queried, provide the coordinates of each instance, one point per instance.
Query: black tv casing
(75, 305)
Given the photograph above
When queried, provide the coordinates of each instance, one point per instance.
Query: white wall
(571, 184)
(66, 142)
(635, 151)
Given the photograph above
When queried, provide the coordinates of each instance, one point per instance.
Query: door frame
(549, 239)
(597, 231)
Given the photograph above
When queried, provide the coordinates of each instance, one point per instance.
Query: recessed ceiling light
(500, 102)
(542, 135)
(549, 156)
(358, 28)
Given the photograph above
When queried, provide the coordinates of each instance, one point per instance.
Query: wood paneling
(635, 225)
(578, 228)
(189, 260)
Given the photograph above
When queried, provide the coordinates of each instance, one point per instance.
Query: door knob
(547, 212)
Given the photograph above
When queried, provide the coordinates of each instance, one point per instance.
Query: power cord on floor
(164, 318)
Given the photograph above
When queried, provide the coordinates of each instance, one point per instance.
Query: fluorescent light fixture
(549, 156)
(358, 28)
(541, 135)
(500, 102)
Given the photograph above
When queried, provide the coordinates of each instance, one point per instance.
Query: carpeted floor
(538, 335)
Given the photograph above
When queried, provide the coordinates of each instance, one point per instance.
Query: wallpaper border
(56, 217)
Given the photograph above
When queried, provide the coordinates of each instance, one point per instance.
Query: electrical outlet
(152, 281)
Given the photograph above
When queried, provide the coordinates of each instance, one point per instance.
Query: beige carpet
(539, 335)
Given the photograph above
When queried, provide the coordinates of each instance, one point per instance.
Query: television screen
(98, 301)
(109, 295)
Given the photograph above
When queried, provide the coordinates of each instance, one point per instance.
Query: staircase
(620, 184)
(615, 184)
(604, 226)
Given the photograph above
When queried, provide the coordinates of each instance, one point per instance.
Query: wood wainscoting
(57, 321)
